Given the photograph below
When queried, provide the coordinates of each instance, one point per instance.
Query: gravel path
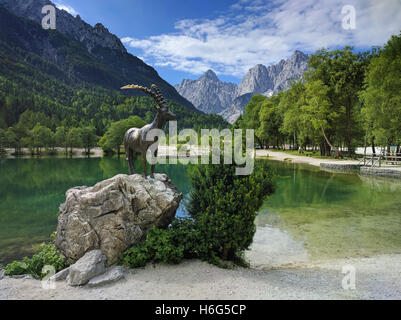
(377, 277)
(282, 156)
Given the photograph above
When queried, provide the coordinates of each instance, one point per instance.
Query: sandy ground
(282, 156)
(280, 269)
(375, 278)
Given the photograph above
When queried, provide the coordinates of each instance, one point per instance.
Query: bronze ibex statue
(135, 139)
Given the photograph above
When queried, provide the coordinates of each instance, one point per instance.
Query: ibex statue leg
(131, 161)
(152, 168)
(144, 164)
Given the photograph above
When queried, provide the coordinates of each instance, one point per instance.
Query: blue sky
(184, 38)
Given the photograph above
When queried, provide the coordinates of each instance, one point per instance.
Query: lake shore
(334, 165)
(96, 152)
(282, 156)
(377, 277)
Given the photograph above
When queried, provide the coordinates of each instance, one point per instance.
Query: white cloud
(67, 8)
(262, 31)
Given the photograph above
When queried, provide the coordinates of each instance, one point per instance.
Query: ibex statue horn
(135, 139)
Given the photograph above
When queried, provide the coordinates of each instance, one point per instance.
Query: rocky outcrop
(89, 266)
(114, 215)
(111, 275)
(381, 172)
(61, 275)
(208, 93)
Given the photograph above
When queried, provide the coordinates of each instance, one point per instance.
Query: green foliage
(89, 138)
(46, 254)
(40, 137)
(74, 139)
(382, 96)
(181, 240)
(325, 109)
(224, 206)
(3, 141)
(114, 136)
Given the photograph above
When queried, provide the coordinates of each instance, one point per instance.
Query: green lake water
(331, 214)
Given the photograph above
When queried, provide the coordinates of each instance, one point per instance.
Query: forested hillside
(53, 80)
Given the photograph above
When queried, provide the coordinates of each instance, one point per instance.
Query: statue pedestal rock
(114, 215)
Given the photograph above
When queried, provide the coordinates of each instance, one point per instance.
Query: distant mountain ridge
(212, 95)
(107, 62)
(208, 93)
(67, 24)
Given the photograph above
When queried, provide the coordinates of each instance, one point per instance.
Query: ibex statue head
(160, 103)
(135, 139)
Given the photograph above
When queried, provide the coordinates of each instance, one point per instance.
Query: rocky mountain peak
(257, 80)
(267, 81)
(210, 75)
(207, 93)
(75, 27)
(298, 57)
(210, 95)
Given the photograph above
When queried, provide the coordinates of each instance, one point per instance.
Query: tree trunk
(259, 141)
(373, 146)
(348, 135)
(331, 146)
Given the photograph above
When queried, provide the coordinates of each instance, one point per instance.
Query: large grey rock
(62, 275)
(113, 274)
(23, 276)
(114, 215)
(2, 274)
(86, 268)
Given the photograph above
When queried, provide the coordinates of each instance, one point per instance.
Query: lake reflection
(313, 214)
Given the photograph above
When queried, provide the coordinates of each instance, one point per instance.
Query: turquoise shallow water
(335, 214)
(31, 191)
(331, 214)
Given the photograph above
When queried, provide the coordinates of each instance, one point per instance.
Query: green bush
(46, 254)
(223, 209)
(179, 241)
